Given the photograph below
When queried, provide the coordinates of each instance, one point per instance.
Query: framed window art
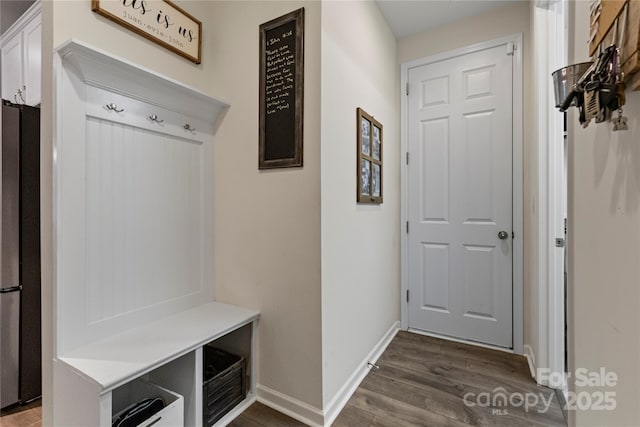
(369, 166)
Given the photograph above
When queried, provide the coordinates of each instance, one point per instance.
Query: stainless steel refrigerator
(20, 304)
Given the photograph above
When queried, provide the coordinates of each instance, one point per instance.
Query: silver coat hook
(189, 128)
(113, 107)
(20, 92)
(154, 118)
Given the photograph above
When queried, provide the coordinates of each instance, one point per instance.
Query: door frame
(550, 52)
(517, 200)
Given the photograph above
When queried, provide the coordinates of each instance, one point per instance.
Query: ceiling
(407, 17)
(10, 10)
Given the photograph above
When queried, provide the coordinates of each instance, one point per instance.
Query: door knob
(503, 235)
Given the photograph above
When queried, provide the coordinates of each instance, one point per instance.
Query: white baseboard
(313, 416)
(531, 359)
(338, 402)
(287, 405)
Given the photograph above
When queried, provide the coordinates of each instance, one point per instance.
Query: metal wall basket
(565, 81)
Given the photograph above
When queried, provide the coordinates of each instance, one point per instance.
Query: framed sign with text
(160, 21)
(281, 91)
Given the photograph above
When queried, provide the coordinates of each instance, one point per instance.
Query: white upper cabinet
(21, 59)
(32, 60)
(12, 68)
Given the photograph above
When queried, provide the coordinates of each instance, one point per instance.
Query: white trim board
(338, 402)
(296, 409)
(518, 179)
(313, 416)
(549, 29)
(531, 360)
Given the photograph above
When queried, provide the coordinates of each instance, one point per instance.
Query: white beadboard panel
(133, 197)
(144, 218)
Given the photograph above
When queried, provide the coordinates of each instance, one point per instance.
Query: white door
(460, 197)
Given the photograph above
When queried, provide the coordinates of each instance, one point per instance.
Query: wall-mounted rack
(607, 23)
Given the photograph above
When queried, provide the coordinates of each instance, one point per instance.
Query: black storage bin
(224, 383)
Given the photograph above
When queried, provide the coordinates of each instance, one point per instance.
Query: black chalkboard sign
(281, 91)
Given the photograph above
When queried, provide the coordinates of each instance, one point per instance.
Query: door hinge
(407, 88)
(511, 48)
(513, 235)
(407, 158)
(407, 227)
(559, 243)
(407, 295)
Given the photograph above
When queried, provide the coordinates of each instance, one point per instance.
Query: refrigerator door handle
(11, 289)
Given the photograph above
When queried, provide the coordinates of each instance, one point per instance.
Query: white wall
(504, 21)
(360, 243)
(604, 249)
(268, 222)
(74, 19)
(494, 24)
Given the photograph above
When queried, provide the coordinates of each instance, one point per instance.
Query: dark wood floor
(423, 381)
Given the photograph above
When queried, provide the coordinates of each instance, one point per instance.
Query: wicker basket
(224, 383)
